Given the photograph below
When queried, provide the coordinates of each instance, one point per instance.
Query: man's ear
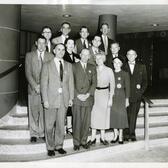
(36, 43)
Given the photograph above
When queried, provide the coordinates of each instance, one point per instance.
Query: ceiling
(130, 18)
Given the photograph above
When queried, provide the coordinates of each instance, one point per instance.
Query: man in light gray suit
(65, 30)
(57, 87)
(33, 65)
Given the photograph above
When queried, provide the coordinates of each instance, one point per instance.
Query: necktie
(84, 44)
(40, 60)
(61, 71)
(47, 49)
(84, 67)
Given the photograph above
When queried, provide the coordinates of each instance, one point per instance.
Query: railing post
(146, 123)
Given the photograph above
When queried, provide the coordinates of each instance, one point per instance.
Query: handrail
(3, 74)
(147, 103)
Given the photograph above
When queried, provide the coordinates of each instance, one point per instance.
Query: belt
(100, 88)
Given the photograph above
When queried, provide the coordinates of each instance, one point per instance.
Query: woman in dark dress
(118, 115)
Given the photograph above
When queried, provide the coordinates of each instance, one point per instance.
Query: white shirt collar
(40, 53)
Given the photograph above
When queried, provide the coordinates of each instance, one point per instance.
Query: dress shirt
(95, 50)
(83, 65)
(49, 46)
(40, 54)
(105, 41)
(115, 55)
(131, 65)
(64, 38)
(86, 42)
(57, 63)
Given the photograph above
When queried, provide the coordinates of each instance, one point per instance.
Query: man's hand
(70, 103)
(37, 89)
(126, 102)
(46, 105)
(110, 102)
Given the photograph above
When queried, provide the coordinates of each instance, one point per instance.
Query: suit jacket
(79, 45)
(50, 84)
(138, 81)
(84, 82)
(33, 70)
(92, 59)
(109, 59)
(109, 44)
(68, 58)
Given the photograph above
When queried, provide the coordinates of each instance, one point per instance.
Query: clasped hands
(83, 97)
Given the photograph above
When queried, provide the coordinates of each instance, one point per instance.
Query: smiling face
(85, 55)
(96, 41)
(41, 44)
(84, 33)
(131, 55)
(59, 51)
(100, 59)
(70, 45)
(117, 64)
(115, 48)
(65, 29)
(105, 29)
(47, 33)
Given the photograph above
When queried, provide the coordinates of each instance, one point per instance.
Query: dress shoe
(61, 151)
(76, 147)
(120, 142)
(51, 153)
(43, 138)
(33, 139)
(126, 139)
(114, 140)
(92, 142)
(133, 139)
(104, 142)
(85, 146)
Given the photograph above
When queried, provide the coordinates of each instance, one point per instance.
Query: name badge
(138, 86)
(60, 90)
(119, 85)
(119, 78)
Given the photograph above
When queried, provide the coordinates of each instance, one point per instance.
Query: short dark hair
(66, 23)
(84, 27)
(68, 40)
(40, 37)
(46, 27)
(115, 42)
(96, 35)
(105, 24)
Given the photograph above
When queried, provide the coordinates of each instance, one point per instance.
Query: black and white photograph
(84, 82)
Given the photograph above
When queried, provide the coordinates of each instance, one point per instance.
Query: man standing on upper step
(33, 65)
(138, 85)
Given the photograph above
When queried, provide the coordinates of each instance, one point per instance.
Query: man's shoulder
(30, 54)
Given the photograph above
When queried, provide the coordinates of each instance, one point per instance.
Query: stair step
(14, 127)
(153, 119)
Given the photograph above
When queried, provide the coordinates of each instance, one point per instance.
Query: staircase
(15, 139)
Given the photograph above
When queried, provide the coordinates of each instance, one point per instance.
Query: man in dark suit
(106, 41)
(113, 53)
(57, 88)
(47, 34)
(65, 30)
(33, 65)
(85, 81)
(138, 85)
(70, 56)
(83, 41)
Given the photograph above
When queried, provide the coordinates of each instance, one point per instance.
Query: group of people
(101, 87)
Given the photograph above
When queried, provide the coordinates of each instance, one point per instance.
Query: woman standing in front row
(118, 115)
(100, 115)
